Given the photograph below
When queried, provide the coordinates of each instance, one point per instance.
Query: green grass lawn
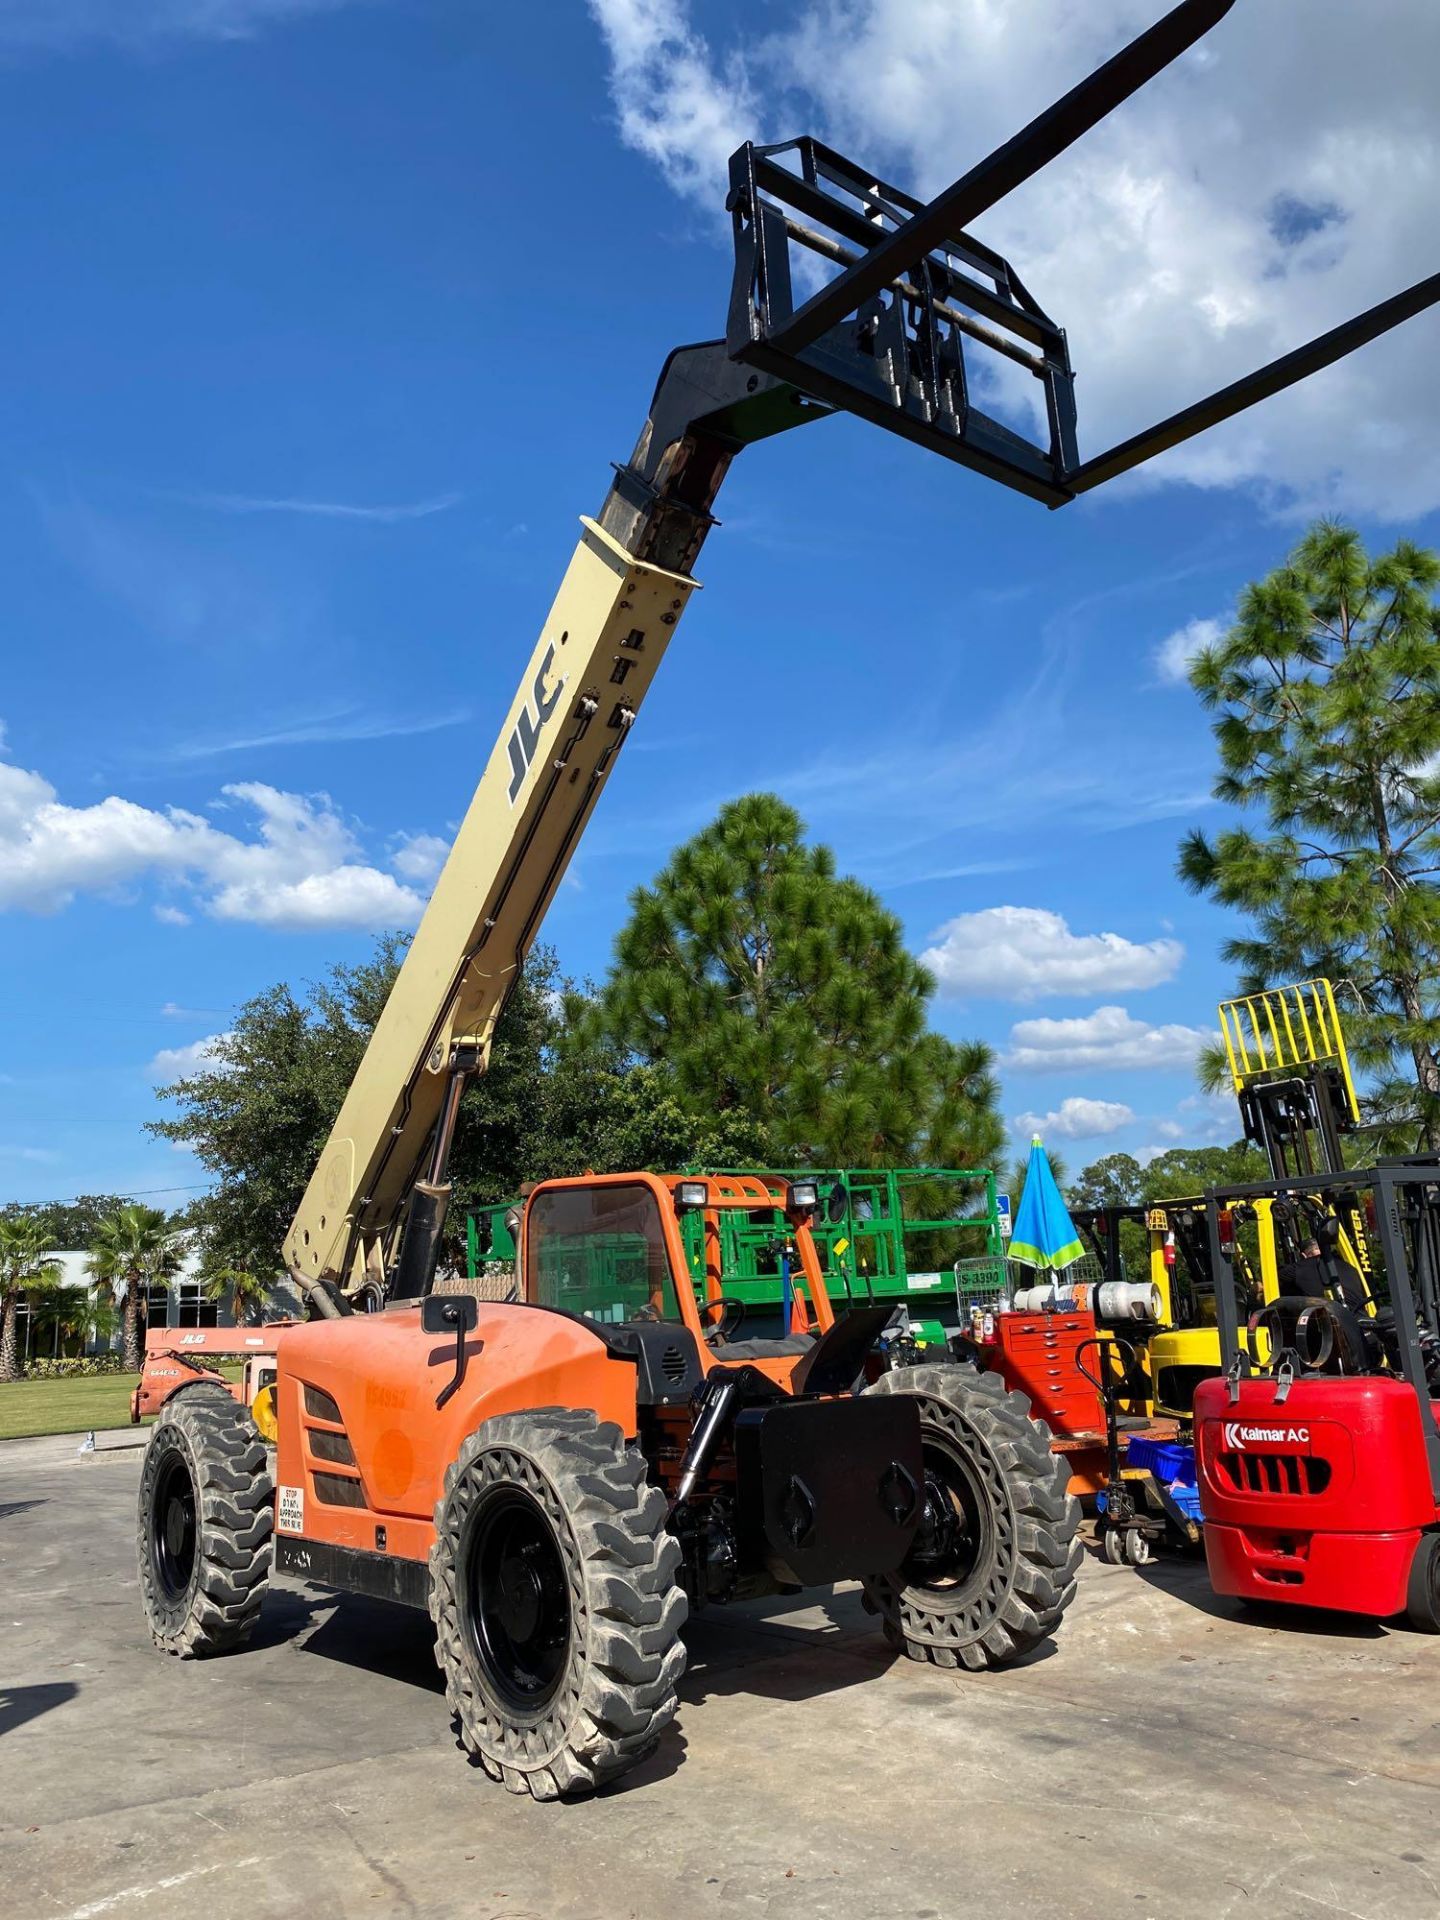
(28, 1407)
(31, 1407)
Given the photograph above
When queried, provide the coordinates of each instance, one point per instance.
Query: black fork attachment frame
(889, 336)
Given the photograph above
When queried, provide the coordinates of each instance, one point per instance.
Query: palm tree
(26, 1265)
(72, 1317)
(246, 1292)
(134, 1249)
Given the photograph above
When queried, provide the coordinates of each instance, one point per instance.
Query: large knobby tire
(557, 1613)
(994, 1565)
(206, 1514)
(212, 1391)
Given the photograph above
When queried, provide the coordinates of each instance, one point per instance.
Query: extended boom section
(591, 667)
(373, 1212)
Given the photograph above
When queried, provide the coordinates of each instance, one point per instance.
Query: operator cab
(636, 1249)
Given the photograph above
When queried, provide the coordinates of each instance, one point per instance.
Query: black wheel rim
(956, 1535)
(518, 1600)
(172, 1528)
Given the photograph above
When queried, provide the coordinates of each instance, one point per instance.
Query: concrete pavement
(1164, 1757)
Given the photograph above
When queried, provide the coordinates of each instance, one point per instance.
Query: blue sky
(325, 323)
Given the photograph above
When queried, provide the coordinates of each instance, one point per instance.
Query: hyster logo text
(1237, 1436)
(526, 735)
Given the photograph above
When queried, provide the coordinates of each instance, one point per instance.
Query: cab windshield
(599, 1251)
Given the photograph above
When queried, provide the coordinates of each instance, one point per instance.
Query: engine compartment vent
(320, 1406)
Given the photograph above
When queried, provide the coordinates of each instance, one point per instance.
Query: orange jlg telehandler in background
(559, 1478)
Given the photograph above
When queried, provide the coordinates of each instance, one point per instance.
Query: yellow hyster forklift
(1290, 1071)
(1159, 1336)
(559, 1477)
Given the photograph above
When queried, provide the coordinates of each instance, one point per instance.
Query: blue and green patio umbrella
(1044, 1236)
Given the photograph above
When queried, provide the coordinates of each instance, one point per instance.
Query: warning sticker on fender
(290, 1514)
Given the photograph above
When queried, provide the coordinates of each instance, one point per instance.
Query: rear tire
(1422, 1598)
(204, 1523)
(554, 1596)
(211, 1391)
(993, 1579)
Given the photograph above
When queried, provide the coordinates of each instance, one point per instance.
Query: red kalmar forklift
(1318, 1449)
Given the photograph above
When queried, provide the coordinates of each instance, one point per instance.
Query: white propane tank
(1127, 1300)
(1046, 1299)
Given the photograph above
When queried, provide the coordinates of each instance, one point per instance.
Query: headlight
(802, 1196)
(690, 1195)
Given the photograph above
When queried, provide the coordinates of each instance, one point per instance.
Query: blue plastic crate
(1188, 1501)
(1168, 1460)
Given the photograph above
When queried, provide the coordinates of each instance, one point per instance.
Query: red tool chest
(1035, 1353)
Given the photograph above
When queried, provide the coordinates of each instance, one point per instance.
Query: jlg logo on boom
(1237, 1436)
(525, 737)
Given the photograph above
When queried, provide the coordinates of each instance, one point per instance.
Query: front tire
(557, 1613)
(994, 1566)
(205, 1519)
(1422, 1599)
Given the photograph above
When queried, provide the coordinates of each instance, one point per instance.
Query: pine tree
(1327, 691)
(777, 992)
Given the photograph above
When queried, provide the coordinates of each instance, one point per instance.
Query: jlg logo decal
(526, 735)
(1237, 1436)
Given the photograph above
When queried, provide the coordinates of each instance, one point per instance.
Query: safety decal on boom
(290, 1510)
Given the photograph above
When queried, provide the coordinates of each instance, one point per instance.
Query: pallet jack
(1145, 1502)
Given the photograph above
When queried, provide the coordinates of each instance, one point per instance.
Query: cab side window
(599, 1251)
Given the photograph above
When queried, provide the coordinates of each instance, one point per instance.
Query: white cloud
(1019, 953)
(175, 1063)
(419, 857)
(679, 103)
(169, 916)
(1109, 1037)
(1207, 1118)
(325, 509)
(301, 866)
(344, 726)
(344, 896)
(59, 25)
(1176, 652)
(1214, 222)
(1077, 1118)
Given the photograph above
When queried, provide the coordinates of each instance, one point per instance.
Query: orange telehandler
(560, 1477)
